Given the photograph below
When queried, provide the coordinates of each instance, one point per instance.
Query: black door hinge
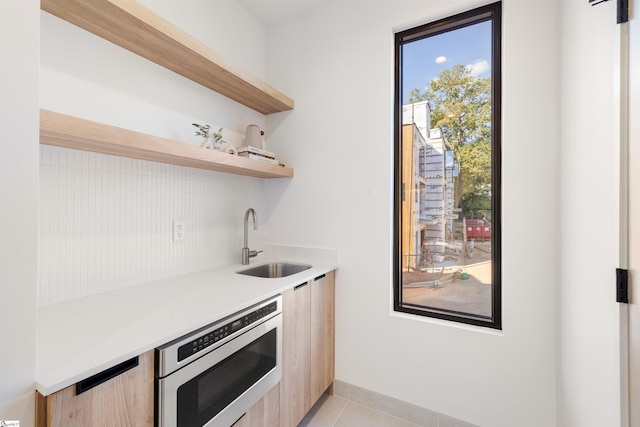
(622, 285)
(622, 14)
(623, 11)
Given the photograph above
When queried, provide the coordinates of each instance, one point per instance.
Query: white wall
(588, 384)
(340, 55)
(106, 221)
(19, 40)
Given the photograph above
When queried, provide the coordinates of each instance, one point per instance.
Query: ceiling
(272, 11)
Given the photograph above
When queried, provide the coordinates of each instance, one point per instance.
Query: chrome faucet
(246, 253)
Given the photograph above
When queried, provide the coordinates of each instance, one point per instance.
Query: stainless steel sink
(274, 270)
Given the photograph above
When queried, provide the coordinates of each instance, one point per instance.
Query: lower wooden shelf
(72, 132)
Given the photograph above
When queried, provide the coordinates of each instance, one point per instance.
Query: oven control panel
(224, 330)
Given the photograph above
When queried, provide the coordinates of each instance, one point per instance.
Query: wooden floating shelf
(143, 32)
(71, 132)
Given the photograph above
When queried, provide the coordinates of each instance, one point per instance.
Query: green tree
(461, 106)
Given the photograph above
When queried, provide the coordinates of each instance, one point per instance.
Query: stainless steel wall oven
(212, 376)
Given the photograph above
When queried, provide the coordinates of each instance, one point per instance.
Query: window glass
(447, 169)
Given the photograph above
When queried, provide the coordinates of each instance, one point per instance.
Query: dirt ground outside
(438, 285)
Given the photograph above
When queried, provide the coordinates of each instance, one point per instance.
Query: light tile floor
(335, 411)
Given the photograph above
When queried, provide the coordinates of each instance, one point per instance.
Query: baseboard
(398, 408)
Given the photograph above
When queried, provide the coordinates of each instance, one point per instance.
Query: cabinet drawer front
(125, 400)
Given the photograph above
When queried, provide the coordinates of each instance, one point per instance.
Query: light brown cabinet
(308, 347)
(322, 335)
(125, 400)
(295, 395)
(265, 413)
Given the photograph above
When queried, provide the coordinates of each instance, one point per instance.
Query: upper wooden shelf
(136, 28)
(80, 134)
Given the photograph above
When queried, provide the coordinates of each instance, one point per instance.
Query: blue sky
(423, 60)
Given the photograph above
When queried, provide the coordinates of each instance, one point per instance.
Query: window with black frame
(447, 169)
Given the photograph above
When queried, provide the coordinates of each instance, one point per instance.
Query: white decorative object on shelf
(218, 143)
(230, 149)
(218, 146)
(253, 137)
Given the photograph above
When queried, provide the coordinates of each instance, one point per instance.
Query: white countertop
(84, 336)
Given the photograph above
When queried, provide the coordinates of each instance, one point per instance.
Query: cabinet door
(126, 400)
(295, 397)
(265, 413)
(322, 334)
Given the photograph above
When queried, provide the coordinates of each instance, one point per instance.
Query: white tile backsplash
(106, 221)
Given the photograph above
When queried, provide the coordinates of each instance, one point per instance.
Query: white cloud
(479, 67)
(441, 59)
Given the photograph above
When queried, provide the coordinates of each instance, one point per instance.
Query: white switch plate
(178, 231)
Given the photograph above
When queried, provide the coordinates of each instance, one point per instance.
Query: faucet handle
(253, 253)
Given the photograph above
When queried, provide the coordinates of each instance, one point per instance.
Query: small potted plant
(205, 132)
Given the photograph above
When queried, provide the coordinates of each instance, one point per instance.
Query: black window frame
(491, 12)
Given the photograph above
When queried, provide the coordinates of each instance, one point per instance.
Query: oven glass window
(204, 396)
